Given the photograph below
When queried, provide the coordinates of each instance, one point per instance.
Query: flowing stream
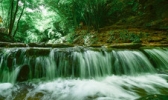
(82, 73)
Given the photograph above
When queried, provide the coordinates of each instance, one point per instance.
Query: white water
(107, 88)
(76, 62)
(83, 74)
(160, 56)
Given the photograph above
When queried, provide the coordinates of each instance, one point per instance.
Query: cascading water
(78, 73)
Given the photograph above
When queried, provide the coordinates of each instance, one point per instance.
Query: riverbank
(62, 45)
(121, 34)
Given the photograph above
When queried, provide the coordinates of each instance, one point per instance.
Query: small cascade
(20, 64)
(158, 57)
(82, 73)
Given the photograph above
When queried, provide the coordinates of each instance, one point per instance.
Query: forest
(83, 49)
(84, 21)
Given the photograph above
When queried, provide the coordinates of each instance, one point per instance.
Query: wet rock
(8, 44)
(10, 62)
(36, 44)
(14, 57)
(37, 52)
(62, 45)
(163, 72)
(23, 74)
(37, 96)
(32, 44)
(23, 90)
(96, 96)
(126, 45)
(4, 44)
(48, 45)
(154, 97)
(2, 98)
(19, 55)
(17, 45)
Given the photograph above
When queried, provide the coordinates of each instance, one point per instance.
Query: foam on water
(84, 74)
(4, 87)
(107, 88)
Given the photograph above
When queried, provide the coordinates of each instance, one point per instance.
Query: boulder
(23, 74)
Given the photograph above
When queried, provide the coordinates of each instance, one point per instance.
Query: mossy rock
(154, 97)
(62, 45)
(153, 45)
(38, 52)
(36, 44)
(17, 45)
(2, 98)
(126, 45)
(23, 74)
(23, 90)
(4, 44)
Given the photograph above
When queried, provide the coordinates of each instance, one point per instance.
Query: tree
(93, 13)
(14, 16)
(12, 11)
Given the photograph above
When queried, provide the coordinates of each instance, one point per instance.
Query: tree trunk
(19, 20)
(13, 16)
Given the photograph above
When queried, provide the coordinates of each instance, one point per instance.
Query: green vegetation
(125, 36)
(49, 20)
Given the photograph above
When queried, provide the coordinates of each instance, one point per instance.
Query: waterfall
(78, 62)
(82, 73)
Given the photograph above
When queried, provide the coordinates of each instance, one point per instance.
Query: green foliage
(12, 11)
(70, 37)
(63, 17)
(93, 13)
(127, 36)
(96, 13)
(124, 36)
